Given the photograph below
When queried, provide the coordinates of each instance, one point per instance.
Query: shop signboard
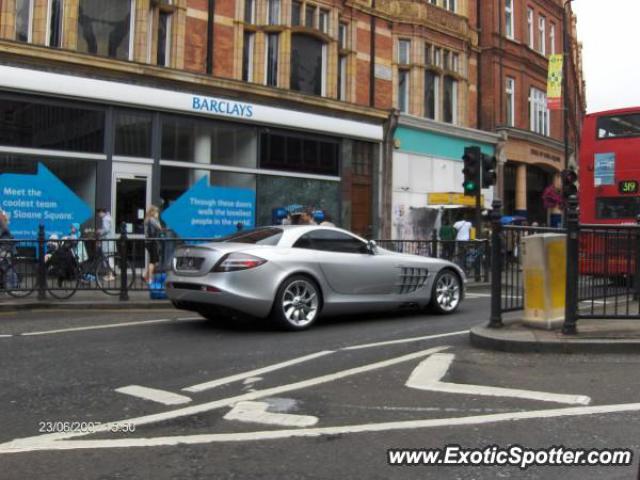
(452, 198)
(211, 212)
(31, 200)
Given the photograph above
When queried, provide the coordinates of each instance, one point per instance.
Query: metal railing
(602, 269)
(472, 256)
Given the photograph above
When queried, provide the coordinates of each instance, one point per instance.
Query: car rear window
(257, 236)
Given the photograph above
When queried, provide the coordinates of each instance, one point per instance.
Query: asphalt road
(323, 404)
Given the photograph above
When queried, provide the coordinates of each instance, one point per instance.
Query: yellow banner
(451, 198)
(554, 81)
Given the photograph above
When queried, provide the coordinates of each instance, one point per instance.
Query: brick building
(517, 36)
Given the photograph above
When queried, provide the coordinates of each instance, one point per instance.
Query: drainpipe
(479, 74)
(210, 21)
(390, 126)
(372, 62)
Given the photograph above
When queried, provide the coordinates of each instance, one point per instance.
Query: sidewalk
(594, 336)
(87, 300)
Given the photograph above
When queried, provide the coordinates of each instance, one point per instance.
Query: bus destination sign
(628, 186)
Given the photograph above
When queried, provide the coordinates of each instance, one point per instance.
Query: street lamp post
(565, 80)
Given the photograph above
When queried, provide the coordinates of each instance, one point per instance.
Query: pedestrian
(5, 233)
(328, 221)
(152, 232)
(463, 230)
(306, 217)
(103, 230)
(447, 236)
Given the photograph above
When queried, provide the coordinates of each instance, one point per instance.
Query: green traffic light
(469, 186)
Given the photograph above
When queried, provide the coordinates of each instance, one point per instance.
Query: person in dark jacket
(152, 232)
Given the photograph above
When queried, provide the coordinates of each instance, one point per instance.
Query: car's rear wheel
(446, 292)
(297, 303)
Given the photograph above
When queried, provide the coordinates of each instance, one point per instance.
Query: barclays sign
(222, 107)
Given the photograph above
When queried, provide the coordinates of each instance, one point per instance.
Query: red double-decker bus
(609, 174)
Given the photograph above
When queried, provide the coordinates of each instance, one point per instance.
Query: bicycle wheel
(21, 277)
(108, 274)
(61, 285)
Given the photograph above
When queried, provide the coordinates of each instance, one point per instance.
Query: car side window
(331, 241)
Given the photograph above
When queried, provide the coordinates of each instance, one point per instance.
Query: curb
(129, 305)
(520, 342)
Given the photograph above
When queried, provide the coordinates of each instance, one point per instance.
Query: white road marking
(477, 295)
(155, 395)
(6, 336)
(199, 439)
(428, 373)
(256, 412)
(405, 340)
(252, 380)
(31, 442)
(100, 327)
(201, 387)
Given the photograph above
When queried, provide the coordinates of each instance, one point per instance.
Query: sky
(608, 31)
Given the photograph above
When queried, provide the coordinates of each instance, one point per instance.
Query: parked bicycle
(18, 273)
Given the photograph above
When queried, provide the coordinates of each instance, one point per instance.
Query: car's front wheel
(446, 292)
(297, 303)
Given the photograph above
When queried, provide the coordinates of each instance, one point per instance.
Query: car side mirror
(372, 247)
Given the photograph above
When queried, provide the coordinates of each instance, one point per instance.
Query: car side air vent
(411, 279)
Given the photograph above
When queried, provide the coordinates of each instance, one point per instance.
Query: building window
(271, 60)
(308, 64)
(451, 5)
(54, 23)
(530, 27)
(542, 36)
(445, 60)
(428, 60)
(437, 57)
(273, 12)
(403, 91)
(247, 56)
(250, 11)
(343, 34)
(433, 2)
(455, 63)
(342, 77)
(323, 21)
(404, 52)
(132, 134)
(310, 16)
(163, 55)
(552, 38)
(299, 153)
(538, 112)
(431, 94)
(450, 100)
(296, 13)
(510, 89)
(508, 18)
(24, 20)
(105, 28)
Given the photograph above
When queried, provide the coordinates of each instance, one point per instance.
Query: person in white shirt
(463, 230)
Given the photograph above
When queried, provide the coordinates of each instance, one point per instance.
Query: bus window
(613, 208)
(615, 126)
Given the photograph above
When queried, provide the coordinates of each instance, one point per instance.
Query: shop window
(271, 78)
(30, 123)
(279, 192)
(105, 28)
(247, 56)
(280, 151)
(431, 94)
(208, 142)
(54, 23)
(450, 100)
(296, 13)
(24, 20)
(133, 134)
(78, 175)
(308, 60)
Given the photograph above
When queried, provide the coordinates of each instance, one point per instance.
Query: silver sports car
(293, 274)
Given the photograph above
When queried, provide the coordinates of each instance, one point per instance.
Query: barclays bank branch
(124, 147)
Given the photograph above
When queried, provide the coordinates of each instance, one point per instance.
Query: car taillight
(233, 262)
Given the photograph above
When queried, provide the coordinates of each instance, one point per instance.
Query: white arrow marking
(254, 373)
(256, 412)
(429, 372)
(207, 438)
(155, 395)
(405, 340)
(28, 443)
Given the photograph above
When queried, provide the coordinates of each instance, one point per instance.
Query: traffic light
(472, 163)
(489, 175)
(569, 179)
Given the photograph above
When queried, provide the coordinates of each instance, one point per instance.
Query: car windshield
(258, 236)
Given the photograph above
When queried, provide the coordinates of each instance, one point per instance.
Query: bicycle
(15, 272)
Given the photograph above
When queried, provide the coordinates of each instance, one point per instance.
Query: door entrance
(131, 197)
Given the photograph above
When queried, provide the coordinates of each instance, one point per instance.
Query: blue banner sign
(31, 200)
(211, 212)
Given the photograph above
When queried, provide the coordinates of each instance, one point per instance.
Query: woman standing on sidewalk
(152, 231)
